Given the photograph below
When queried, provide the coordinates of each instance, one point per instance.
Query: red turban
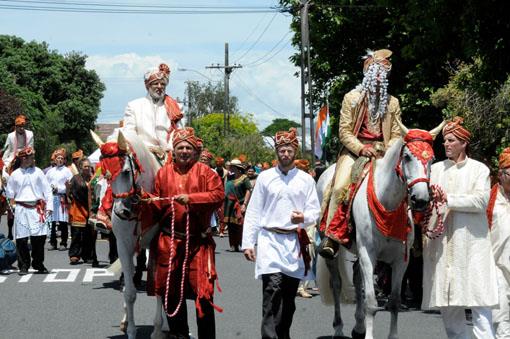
(77, 155)
(160, 73)
(186, 134)
(283, 138)
(26, 152)
(378, 57)
(206, 154)
(504, 158)
(20, 120)
(457, 129)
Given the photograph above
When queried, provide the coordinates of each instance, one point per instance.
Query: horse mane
(389, 161)
(149, 164)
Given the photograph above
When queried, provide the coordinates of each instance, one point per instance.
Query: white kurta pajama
(459, 268)
(149, 121)
(500, 237)
(273, 199)
(57, 178)
(28, 186)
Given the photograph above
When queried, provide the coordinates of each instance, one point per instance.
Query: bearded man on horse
(368, 126)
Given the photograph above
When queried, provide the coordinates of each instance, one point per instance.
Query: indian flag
(322, 131)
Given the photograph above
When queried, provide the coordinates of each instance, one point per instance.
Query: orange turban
(59, 151)
(378, 57)
(186, 134)
(283, 138)
(302, 164)
(504, 158)
(26, 152)
(457, 129)
(77, 155)
(274, 162)
(160, 73)
(265, 166)
(20, 120)
(219, 161)
(242, 157)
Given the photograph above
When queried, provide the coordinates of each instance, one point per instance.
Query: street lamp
(195, 71)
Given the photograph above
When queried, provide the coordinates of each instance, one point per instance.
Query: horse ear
(96, 138)
(121, 142)
(171, 141)
(435, 131)
(403, 128)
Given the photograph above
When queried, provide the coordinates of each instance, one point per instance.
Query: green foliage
(208, 98)
(426, 37)
(279, 124)
(244, 137)
(58, 94)
(488, 118)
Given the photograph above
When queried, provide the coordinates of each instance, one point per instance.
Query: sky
(121, 47)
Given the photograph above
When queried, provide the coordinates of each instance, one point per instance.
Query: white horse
(125, 220)
(392, 187)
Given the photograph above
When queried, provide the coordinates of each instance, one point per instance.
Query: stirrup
(328, 248)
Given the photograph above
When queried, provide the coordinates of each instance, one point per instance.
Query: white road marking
(90, 273)
(72, 274)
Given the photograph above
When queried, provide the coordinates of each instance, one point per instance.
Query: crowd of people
(269, 211)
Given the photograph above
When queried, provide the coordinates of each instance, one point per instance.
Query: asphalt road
(82, 302)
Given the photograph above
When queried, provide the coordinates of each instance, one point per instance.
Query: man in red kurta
(185, 242)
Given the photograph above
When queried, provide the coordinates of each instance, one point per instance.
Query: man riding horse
(368, 126)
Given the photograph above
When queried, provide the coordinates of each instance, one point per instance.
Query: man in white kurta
(155, 116)
(58, 176)
(15, 142)
(283, 202)
(459, 268)
(498, 214)
(29, 188)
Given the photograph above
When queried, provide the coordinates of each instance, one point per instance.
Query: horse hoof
(123, 326)
(356, 335)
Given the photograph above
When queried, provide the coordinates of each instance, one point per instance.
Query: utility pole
(306, 80)
(228, 70)
(190, 102)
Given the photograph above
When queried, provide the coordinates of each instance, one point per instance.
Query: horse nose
(418, 204)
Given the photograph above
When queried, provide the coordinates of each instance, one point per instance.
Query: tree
(244, 137)
(58, 94)
(427, 37)
(279, 124)
(208, 98)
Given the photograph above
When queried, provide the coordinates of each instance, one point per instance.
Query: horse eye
(407, 157)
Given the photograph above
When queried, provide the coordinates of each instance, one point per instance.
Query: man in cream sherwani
(459, 268)
(498, 214)
(155, 116)
(15, 142)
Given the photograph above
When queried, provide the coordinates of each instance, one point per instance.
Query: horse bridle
(400, 169)
(134, 193)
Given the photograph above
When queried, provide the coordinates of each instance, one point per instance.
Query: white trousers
(454, 319)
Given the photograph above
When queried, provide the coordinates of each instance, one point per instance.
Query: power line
(256, 62)
(249, 35)
(256, 97)
(258, 39)
(119, 10)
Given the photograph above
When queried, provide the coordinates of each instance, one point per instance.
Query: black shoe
(42, 270)
(328, 248)
(95, 264)
(23, 271)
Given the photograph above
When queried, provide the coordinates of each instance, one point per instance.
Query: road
(82, 302)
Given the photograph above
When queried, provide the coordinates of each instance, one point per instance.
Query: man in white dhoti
(58, 176)
(284, 201)
(156, 115)
(15, 142)
(31, 192)
(498, 214)
(459, 269)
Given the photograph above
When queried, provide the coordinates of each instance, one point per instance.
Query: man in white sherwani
(155, 116)
(15, 142)
(58, 176)
(31, 192)
(284, 201)
(459, 269)
(498, 214)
